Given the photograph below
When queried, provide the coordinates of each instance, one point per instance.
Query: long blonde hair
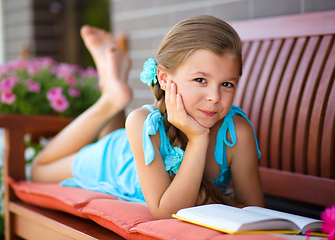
(201, 32)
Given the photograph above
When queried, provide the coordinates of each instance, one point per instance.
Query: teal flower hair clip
(149, 72)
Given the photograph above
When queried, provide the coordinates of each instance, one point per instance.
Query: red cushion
(54, 196)
(118, 216)
(129, 220)
(172, 228)
(134, 221)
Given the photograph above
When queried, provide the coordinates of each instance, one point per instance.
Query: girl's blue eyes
(225, 84)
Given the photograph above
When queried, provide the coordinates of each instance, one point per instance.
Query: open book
(247, 220)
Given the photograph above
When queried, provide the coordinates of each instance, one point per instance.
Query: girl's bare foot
(112, 65)
(98, 41)
(116, 89)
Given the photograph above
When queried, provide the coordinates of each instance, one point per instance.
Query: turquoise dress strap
(150, 107)
(150, 127)
(172, 156)
(228, 127)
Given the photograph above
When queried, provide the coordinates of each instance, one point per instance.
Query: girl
(187, 146)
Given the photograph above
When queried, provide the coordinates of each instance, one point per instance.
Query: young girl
(179, 152)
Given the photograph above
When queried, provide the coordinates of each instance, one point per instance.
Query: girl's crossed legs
(54, 163)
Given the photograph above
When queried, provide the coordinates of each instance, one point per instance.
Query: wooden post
(14, 166)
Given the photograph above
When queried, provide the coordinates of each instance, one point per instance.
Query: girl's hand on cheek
(177, 114)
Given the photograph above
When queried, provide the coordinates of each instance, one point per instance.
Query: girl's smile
(207, 82)
(209, 114)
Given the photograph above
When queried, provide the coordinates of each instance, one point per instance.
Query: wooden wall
(42, 28)
(56, 32)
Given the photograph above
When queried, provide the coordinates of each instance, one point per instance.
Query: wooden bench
(287, 89)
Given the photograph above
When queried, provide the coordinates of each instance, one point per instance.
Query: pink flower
(89, 72)
(328, 226)
(8, 84)
(7, 97)
(73, 92)
(33, 68)
(3, 71)
(18, 64)
(54, 93)
(33, 86)
(46, 61)
(70, 80)
(60, 104)
(64, 70)
(58, 100)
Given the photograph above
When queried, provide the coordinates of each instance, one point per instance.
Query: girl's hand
(178, 116)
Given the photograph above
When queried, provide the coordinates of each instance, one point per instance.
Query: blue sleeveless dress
(108, 165)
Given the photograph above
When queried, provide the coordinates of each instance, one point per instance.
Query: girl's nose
(213, 96)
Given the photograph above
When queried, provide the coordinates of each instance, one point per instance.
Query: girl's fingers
(173, 94)
(167, 92)
(167, 96)
(177, 114)
(170, 98)
(180, 109)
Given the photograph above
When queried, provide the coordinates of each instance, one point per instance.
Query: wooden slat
(310, 24)
(305, 109)
(328, 136)
(318, 111)
(298, 187)
(264, 80)
(254, 77)
(267, 108)
(281, 103)
(14, 165)
(30, 230)
(33, 121)
(247, 67)
(245, 50)
(37, 223)
(289, 127)
(14, 153)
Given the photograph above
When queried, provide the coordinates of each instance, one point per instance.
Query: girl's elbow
(161, 215)
(160, 212)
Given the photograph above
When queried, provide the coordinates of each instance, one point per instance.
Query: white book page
(222, 216)
(299, 220)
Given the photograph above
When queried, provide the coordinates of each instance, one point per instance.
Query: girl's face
(207, 83)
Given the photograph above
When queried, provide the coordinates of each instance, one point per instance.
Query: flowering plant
(43, 86)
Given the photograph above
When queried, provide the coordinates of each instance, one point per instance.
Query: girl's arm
(163, 196)
(244, 165)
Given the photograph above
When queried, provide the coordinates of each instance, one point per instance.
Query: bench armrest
(16, 126)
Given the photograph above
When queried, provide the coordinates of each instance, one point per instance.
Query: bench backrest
(287, 89)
